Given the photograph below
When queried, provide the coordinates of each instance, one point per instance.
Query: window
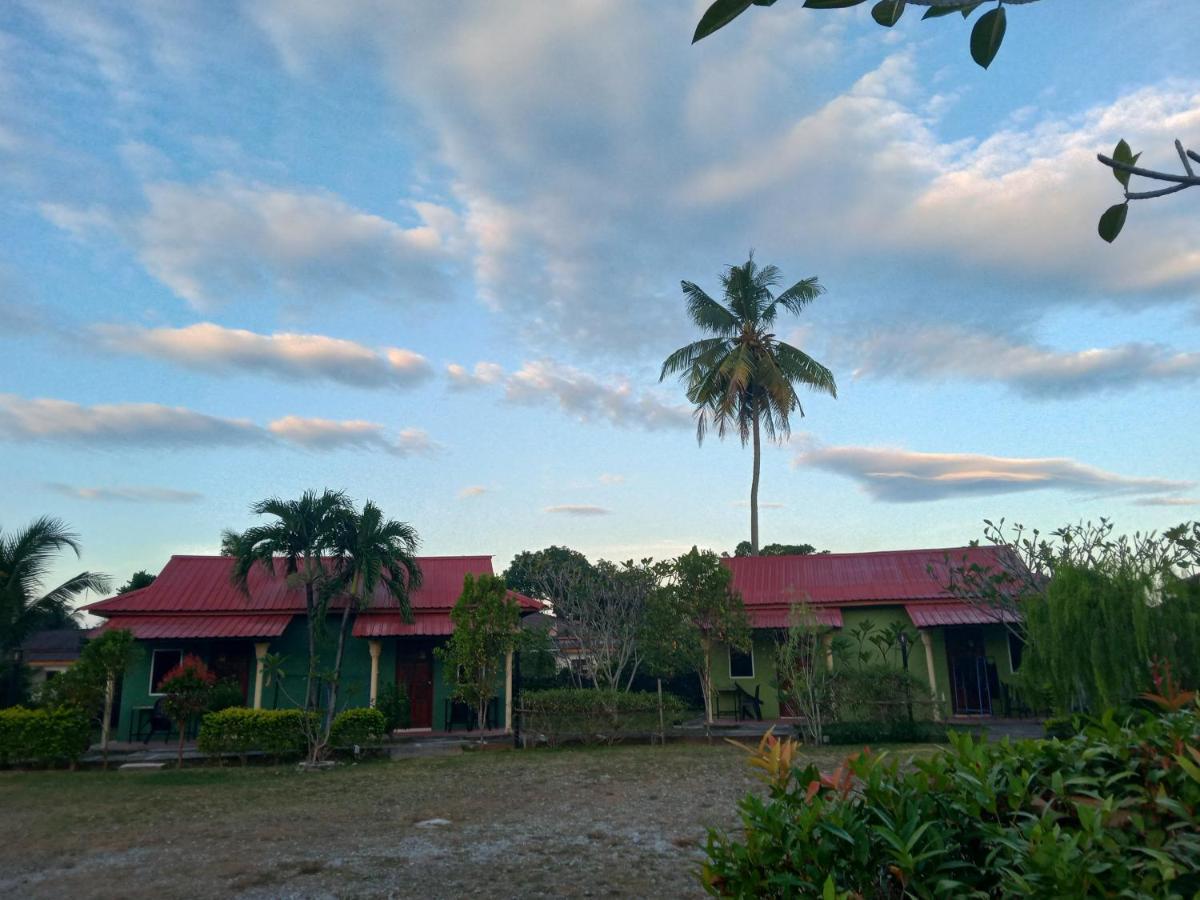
(162, 662)
(741, 665)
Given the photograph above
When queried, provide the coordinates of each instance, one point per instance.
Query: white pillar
(508, 697)
(927, 640)
(260, 652)
(376, 647)
(827, 642)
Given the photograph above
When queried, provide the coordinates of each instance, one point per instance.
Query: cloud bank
(295, 357)
(125, 494)
(895, 475)
(155, 425)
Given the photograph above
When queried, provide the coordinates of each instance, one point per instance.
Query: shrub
(1108, 812)
(897, 732)
(595, 716)
(226, 693)
(393, 703)
(880, 693)
(43, 736)
(277, 732)
(353, 727)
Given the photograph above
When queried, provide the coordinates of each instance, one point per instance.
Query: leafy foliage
(528, 571)
(744, 549)
(277, 732)
(486, 622)
(354, 727)
(187, 692)
(393, 702)
(226, 693)
(589, 715)
(43, 736)
(138, 580)
(986, 35)
(1109, 812)
(742, 378)
(704, 610)
(26, 558)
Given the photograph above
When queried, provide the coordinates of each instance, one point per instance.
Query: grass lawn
(619, 821)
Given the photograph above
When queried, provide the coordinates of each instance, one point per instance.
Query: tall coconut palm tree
(26, 557)
(303, 532)
(743, 378)
(371, 552)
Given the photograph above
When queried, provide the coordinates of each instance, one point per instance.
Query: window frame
(150, 691)
(750, 655)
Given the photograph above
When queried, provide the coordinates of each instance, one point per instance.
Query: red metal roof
(929, 615)
(780, 616)
(197, 626)
(377, 625)
(842, 579)
(201, 584)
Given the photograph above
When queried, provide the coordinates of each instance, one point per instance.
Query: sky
(430, 254)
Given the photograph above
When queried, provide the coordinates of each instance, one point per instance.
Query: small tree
(138, 580)
(187, 689)
(803, 670)
(487, 621)
(107, 657)
(709, 612)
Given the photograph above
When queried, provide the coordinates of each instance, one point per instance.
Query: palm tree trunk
(754, 484)
(337, 673)
(312, 645)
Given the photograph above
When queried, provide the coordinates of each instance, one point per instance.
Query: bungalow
(965, 655)
(194, 607)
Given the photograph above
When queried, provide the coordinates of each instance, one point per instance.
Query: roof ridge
(906, 552)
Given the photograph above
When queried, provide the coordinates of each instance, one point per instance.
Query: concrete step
(141, 767)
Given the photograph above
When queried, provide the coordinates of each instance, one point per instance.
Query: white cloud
(584, 396)
(578, 509)
(896, 475)
(1167, 501)
(155, 425)
(229, 239)
(129, 494)
(331, 434)
(611, 478)
(484, 373)
(474, 490)
(285, 355)
(945, 352)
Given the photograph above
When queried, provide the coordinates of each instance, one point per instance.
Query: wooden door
(414, 669)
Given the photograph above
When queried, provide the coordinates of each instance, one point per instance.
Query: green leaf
(987, 35)
(1113, 221)
(887, 12)
(831, 4)
(829, 889)
(936, 12)
(1123, 154)
(720, 14)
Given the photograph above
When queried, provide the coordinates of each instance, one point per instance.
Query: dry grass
(621, 821)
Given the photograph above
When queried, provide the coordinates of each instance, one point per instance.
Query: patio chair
(734, 708)
(158, 721)
(749, 703)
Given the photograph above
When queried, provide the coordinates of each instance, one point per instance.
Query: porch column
(260, 653)
(927, 640)
(827, 643)
(508, 698)
(376, 647)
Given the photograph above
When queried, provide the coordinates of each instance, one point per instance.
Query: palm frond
(685, 358)
(707, 313)
(798, 296)
(796, 365)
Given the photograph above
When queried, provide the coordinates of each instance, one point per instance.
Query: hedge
(1111, 812)
(43, 736)
(353, 727)
(894, 732)
(278, 732)
(595, 716)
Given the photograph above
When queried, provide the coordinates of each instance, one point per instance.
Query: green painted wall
(293, 646)
(996, 648)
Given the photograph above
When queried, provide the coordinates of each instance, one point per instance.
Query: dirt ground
(619, 821)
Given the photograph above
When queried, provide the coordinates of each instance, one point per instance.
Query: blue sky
(431, 255)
